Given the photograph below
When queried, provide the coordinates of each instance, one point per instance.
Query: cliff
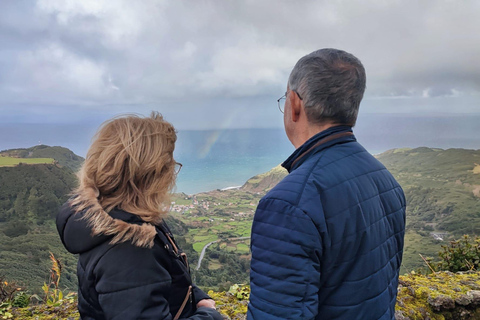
(262, 183)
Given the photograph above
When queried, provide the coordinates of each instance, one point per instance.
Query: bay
(216, 159)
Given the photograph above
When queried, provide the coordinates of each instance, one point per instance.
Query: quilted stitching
(327, 241)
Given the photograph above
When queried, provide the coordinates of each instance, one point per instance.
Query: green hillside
(265, 181)
(61, 155)
(442, 189)
(30, 196)
(34, 183)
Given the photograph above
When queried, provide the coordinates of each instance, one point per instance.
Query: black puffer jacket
(124, 281)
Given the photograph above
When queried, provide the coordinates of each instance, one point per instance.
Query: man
(327, 241)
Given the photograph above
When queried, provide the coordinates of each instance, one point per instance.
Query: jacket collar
(320, 141)
(80, 233)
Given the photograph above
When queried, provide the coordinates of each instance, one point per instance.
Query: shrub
(8, 289)
(21, 300)
(460, 255)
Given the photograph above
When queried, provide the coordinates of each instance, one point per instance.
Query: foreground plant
(53, 295)
(460, 255)
(5, 308)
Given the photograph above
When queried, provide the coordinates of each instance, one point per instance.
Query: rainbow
(216, 134)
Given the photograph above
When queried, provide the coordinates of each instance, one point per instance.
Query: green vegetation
(221, 216)
(443, 201)
(442, 189)
(68, 310)
(14, 299)
(234, 302)
(53, 295)
(11, 162)
(440, 186)
(30, 196)
(460, 255)
(439, 296)
(262, 183)
(62, 156)
(222, 266)
(417, 244)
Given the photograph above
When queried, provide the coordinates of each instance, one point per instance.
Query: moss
(441, 296)
(67, 310)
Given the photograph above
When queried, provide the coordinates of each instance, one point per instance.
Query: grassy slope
(63, 156)
(439, 186)
(10, 161)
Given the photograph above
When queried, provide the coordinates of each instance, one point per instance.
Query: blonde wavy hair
(129, 166)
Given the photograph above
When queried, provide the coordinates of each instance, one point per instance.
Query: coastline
(231, 188)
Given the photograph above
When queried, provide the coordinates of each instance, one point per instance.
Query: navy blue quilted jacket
(327, 241)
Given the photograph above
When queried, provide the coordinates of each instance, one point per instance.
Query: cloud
(231, 72)
(53, 64)
(115, 55)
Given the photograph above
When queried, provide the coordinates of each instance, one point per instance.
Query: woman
(129, 266)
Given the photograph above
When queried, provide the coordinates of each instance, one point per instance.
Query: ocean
(217, 159)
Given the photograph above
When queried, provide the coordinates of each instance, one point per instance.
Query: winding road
(210, 243)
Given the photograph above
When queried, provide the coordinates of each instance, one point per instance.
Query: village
(213, 207)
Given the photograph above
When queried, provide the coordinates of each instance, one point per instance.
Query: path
(210, 243)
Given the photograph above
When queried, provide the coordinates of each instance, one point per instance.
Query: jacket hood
(80, 233)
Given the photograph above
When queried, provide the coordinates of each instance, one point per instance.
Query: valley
(441, 187)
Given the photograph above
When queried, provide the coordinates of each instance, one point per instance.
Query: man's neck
(309, 131)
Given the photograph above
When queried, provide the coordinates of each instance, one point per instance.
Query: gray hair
(331, 84)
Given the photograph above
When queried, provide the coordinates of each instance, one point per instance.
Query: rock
(465, 314)
(412, 291)
(475, 296)
(464, 300)
(400, 316)
(441, 302)
(470, 284)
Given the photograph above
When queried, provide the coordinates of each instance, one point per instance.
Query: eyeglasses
(178, 167)
(281, 100)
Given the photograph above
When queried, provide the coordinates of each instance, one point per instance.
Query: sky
(223, 64)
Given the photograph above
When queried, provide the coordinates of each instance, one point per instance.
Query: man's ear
(295, 105)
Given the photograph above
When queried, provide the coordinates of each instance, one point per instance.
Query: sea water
(217, 159)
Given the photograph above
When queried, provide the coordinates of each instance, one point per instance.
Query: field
(11, 162)
(224, 217)
(416, 245)
(219, 215)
